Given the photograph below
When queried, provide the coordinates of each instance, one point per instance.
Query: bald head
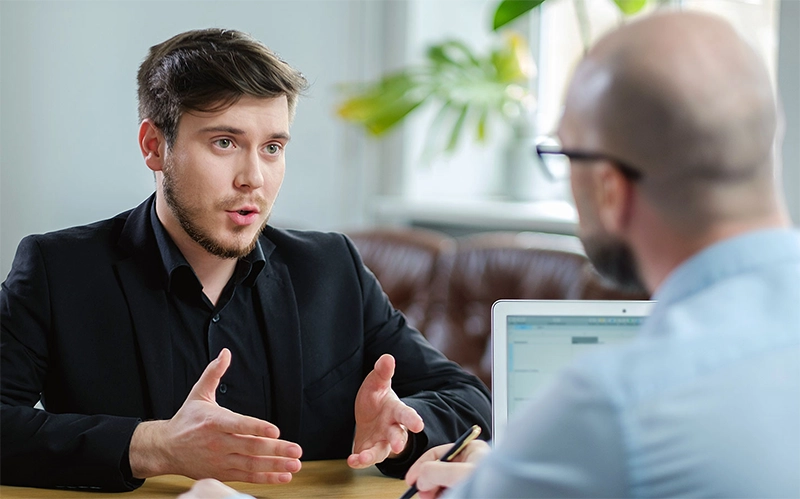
(682, 97)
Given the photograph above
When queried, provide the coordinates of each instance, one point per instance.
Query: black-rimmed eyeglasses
(556, 159)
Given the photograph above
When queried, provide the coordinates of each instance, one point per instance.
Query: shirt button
(223, 388)
(215, 318)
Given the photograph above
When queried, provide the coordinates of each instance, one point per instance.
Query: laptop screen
(539, 346)
(534, 339)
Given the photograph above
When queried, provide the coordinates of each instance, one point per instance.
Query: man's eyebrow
(238, 131)
(226, 129)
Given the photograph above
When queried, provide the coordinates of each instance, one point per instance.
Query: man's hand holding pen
(432, 474)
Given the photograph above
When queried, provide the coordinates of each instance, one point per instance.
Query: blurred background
(68, 119)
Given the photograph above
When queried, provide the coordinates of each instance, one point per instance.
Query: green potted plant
(471, 90)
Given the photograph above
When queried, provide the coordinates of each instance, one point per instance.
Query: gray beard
(615, 261)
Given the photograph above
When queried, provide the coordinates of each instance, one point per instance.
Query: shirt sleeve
(568, 442)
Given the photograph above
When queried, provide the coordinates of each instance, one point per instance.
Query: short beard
(184, 217)
(615, 261)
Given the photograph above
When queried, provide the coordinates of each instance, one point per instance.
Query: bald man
(670, 127)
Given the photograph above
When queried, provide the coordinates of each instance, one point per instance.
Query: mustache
(234, 202)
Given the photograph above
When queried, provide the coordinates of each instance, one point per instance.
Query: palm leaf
(629, 7)
(480, 130)
(381, 106)
(453, 52)
(508, 10)
(434, 139)
(455, 133)
(391, 115)
(469, 88)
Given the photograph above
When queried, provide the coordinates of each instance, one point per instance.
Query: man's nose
(250, 174)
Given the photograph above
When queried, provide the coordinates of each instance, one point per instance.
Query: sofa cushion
(404, 260)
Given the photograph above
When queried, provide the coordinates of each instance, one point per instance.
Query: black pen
(451, 453)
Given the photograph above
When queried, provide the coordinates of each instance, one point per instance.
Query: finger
(397, 437)
(262, 464)
(429, 494)
(354, 461)
(384, 367)
(433, 454)
(208, 488)
(261, 478)
(206, 386)
(408, 417)
(257, 446)
(474, 452)
(361, 460)
(230, 422)
(379, 380)
(370, 456)
(438, 474)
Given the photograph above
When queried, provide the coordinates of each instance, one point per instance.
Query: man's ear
(614, 198)
(152, 144)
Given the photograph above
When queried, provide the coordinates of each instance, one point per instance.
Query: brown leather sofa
(446, 286)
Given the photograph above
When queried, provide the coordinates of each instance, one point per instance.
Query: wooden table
(317, 479)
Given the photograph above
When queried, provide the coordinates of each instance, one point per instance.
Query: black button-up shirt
(199, 329)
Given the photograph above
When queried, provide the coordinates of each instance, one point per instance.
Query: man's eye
(224, 143)
(273, 148)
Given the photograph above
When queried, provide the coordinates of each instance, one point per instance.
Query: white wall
(472, 170)
(68, 120)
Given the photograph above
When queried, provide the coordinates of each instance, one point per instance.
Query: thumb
(206, 386)
(376, 384)
(384, 367)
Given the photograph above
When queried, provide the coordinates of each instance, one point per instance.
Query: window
(560, 46)
(474, 179)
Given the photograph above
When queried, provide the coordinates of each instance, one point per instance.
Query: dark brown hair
(209, 70)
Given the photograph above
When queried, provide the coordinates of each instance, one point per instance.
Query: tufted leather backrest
(492, 266)
(446, 287)
(405, 262)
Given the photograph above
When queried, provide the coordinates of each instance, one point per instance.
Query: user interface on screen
(538, 346)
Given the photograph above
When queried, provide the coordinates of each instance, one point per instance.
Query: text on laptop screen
(539, 346)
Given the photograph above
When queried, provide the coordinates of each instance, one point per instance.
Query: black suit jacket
(81, 313)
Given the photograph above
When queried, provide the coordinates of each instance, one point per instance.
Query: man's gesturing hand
(382, 420)
(204, 440)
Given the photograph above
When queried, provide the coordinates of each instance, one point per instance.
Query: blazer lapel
(144, 291)
(279, 307)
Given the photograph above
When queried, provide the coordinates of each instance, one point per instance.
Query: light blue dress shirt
(704, 402)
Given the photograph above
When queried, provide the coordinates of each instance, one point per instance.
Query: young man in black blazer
(187, 336)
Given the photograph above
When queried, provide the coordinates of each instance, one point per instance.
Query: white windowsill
(546, 216)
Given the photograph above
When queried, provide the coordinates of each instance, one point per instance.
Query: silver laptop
(534, 339)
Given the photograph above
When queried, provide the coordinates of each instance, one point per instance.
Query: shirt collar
(256, 263)
(247, 270)
(744, 253)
